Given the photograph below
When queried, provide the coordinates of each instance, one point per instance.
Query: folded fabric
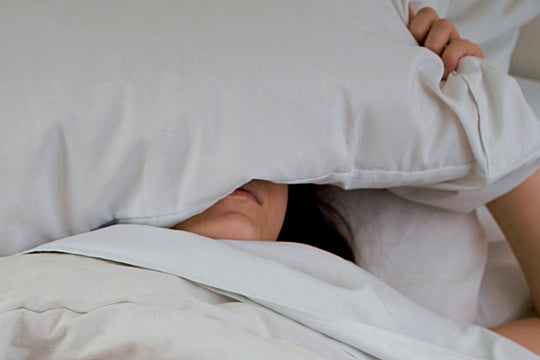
(316, 289)
(149, 113)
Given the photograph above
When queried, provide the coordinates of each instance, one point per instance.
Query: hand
(441, 37)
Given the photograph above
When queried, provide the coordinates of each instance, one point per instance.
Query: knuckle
(453, 49)
(428, 11)
(466, 46)
(450, 55)
(444, 24)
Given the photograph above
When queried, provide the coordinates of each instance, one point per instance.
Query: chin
(231, 234)
(233, 226)
(239, 236)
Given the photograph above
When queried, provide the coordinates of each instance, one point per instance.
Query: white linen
(435, 257)
(504, 294)
(101, 310)
(493, 24)
(467, 193)
(149, 112)
(431, 255)
(313, 288)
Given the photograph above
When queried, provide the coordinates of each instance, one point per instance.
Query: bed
(111, 137)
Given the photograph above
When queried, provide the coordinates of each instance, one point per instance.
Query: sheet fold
(318, 290)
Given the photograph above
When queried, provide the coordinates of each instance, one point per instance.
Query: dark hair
(309, 220)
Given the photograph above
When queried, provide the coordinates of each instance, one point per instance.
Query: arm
(518, 212)
(518, 216)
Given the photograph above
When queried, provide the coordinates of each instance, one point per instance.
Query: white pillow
(433, 256)
(443, 260)
(149, 112)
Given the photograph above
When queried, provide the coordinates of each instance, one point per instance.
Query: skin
(253, 212)
(517, 212)
(518, 215)
(441, 37)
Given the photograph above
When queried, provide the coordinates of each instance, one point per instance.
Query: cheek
(281, 204)
(227, 219)
(276, 211)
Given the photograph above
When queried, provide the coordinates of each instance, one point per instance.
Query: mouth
(249, 191)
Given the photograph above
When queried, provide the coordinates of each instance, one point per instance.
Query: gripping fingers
(442, 32)
(441, 37)
(420, 24)
(456, 50)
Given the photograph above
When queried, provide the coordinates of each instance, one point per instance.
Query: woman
(265, 211)
(258, 210)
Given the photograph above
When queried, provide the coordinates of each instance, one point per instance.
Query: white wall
(526, 57)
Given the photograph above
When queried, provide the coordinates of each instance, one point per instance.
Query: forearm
(518, 216)
(524, 332)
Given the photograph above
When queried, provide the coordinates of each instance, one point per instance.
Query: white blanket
(207, 299)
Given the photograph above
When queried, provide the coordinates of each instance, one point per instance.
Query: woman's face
(254, 211)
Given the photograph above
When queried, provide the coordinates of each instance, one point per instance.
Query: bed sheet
(324, 296)
(101, 310)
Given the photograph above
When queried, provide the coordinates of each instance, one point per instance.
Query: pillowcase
(457, 265)
(433, 256)
(149, 113)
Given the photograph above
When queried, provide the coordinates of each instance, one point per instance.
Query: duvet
(141, 292)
